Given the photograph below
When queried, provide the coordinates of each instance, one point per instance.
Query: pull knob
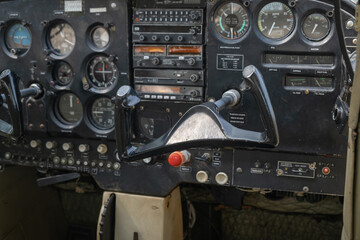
(84, 148)
(177, 159)
(68, 146)
(102, 149)
(51, 145)
(35, 143)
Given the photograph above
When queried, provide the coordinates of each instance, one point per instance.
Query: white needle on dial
(69, 42)
(62, 34)
(316, 25)
(272, 27)
(232, 33)
(71, 101)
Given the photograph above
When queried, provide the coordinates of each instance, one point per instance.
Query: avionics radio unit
(168, 26)
(170, 93)
(168, 56)
(169, 77)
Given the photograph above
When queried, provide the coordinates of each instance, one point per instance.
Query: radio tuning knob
(155, 61)
(194, 77)
(141, 38)
(191, 61)
(167, 38)
(194, 93)
(194, 16)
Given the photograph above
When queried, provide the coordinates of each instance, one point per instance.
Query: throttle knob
(177, 159)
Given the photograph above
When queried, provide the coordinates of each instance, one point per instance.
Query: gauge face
(62, 39)
(18, 39)
(231, 21)
(103, 113)
(102, 72)
(70, 108)
(276, 20)
(63, 73)
(100, 37)
(316, 27)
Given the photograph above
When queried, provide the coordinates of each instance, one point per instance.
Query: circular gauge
(102, 72)
(70, 108)
(18, 39)
(62, 39)
(103, 113)
(276, 20)
(231, 21)
(63, 73)
(100, 37)
(316, 27)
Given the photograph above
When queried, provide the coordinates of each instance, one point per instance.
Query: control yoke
(201, 125)
(11, 97)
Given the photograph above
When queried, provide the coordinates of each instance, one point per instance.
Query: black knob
(180, 38)
(167, 38)
(194, 93)
(154, 38)
(194, 77)
(191, 61)
(193, 31)
(194, 16)
(155, 61)
(142, 38)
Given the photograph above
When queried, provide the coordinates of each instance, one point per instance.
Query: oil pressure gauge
(316, 27)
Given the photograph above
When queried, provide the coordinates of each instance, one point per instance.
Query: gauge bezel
(60, 119)
(46, 39)
(323, 40)
(93, 125)
(273, 41)
(89, 39)
(5, 29)
(94, 88)
(212, 24)
(55, 77)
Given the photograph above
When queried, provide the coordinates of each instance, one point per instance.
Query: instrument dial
(102, 72)
(62, 39)
(70, 108)
(63, 73)
(231, 21)
(18, 39)
(276, 20)
(316, 27)
(103, 113)
(100, 37)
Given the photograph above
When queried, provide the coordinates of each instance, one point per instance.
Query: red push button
(176, 159)
(326, 170)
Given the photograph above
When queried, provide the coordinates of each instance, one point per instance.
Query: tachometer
(102, 72)
(61, 39)
(70, 108)
(231, 21)
(103, 113)
(316, 27)
(18, 39)
(276, 20)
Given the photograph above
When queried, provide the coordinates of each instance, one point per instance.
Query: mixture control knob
(177, 159)
(194, 77)
(67, 146)
(35, 143)
(191, 61)
(84, 148)
(51, 145)
(102, 149)
(155, 61)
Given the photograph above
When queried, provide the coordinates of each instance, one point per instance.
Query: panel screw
(306, 189)
(167, 110)
(113, 5)
(180, 114)
(239, 170)
(42, 126)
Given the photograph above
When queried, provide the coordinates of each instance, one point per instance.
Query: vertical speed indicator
(231, 21)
